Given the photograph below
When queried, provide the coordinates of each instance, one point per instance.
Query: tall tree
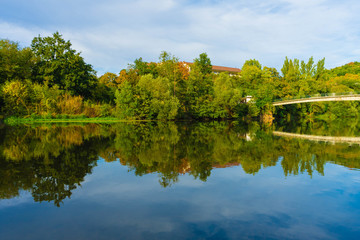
(200, 88)
(203, 63)
(59, 64)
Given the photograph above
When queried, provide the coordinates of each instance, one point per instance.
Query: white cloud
(111, 34)
(18, 33)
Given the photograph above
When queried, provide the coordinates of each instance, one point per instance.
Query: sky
(110, 34)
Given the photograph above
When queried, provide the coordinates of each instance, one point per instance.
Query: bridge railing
(317, 96)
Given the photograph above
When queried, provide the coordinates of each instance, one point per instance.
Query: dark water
(221, 180)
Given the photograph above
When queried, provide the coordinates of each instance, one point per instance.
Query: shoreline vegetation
(50, 82)
(83, 119)
(77, 119)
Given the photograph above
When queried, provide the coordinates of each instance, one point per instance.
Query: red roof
(225, 69)
(221, 68)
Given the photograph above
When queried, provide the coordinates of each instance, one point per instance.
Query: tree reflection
(51, 161)
(48, 162)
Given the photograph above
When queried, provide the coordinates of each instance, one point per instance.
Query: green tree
(252, 76)
(203, 63)
(200, 89)
(252, 62)
(350, 68)
(15, 63)
(228, 95)
(59, 64)
(143, 68)
(158, 98)
(126, 101)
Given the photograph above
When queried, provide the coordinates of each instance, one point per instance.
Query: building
(219, 69)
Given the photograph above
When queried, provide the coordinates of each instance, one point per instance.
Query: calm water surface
(220, 180)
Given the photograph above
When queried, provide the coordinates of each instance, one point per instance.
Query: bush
(71, 105)
(45, 98)
(16, 98)
(106, 110)
(62, 116)
(92, 110)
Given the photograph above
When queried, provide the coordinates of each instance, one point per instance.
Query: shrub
(106, 110)
(45, 98)
(92, 110)
(71, 105)
(16, 98)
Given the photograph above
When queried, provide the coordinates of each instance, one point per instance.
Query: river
(158, 180)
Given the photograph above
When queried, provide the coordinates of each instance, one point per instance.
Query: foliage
(228, 95)
(200, 89)
(59, 64)
(160, 102)
(45, 99)
(203, 63)
(126, 102)
(17, 98)
(71, 105)
(46, 79)
(15, 63)
(350, 68)
(108, 79)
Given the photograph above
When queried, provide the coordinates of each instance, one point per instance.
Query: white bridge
(330, 97)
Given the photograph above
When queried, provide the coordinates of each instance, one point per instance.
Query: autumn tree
(108, 79)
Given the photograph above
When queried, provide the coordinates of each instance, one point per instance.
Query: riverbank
(81, 119)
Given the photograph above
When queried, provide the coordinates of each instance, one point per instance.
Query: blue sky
(112, 33)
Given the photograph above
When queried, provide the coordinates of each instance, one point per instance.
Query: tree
(15, 63)
(157, 98)
(203, 63)
(253, 62)
(126, 102)
(252, 76)
(199, 89)
(59, 64)
(109, 79)
(228, 95)
(143, 68)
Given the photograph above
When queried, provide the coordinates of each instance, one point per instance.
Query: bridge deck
(334, 98)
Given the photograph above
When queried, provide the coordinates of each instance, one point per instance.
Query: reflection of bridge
(330, 139)
(328, 97)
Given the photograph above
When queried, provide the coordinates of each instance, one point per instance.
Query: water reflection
(50, 161)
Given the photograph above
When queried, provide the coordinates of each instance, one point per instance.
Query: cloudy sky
(112, 33)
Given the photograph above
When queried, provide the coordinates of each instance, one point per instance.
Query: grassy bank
(80, 119)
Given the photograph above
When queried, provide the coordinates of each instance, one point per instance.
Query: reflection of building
(219, 69)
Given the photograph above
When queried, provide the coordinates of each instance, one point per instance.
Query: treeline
(49, 79)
